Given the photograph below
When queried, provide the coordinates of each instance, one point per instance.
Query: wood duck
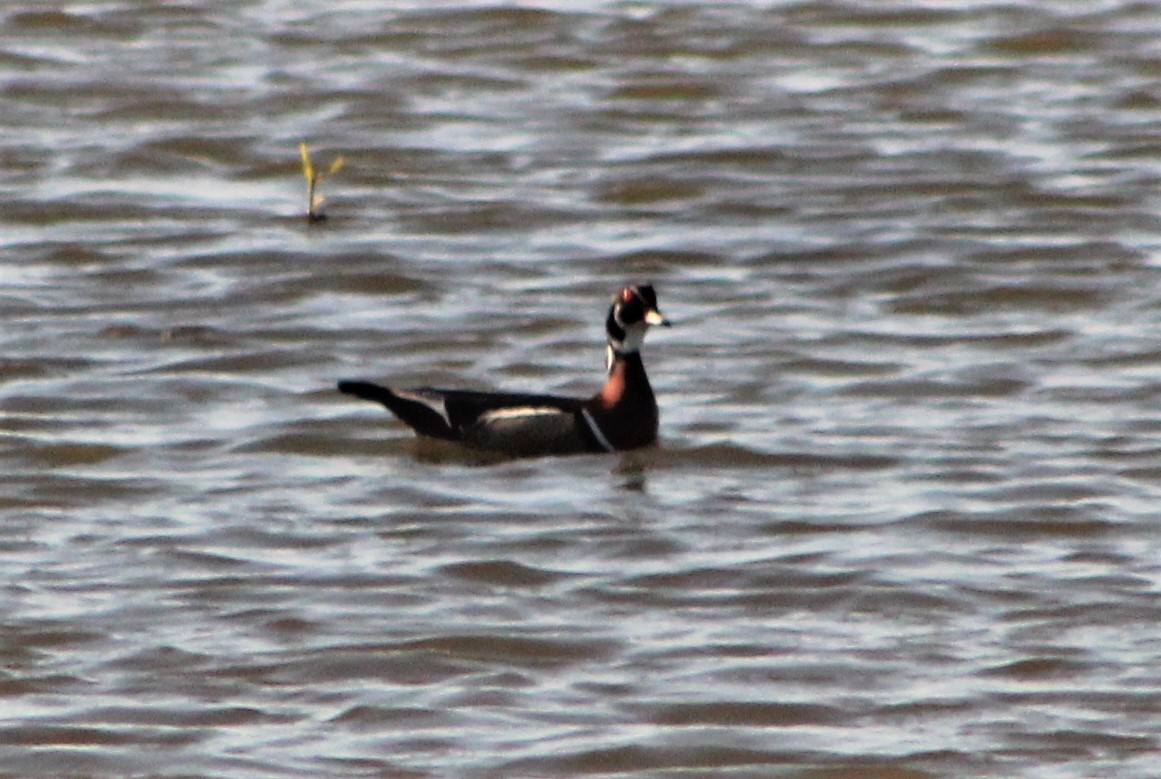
(623, 415)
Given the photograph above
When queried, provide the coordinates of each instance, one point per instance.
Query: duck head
(633, 310)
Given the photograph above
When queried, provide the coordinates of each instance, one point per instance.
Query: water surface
(901, 522)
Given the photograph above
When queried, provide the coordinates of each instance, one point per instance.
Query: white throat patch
(633, 340)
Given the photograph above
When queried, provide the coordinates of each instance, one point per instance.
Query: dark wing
(517, 423)
(426, 415)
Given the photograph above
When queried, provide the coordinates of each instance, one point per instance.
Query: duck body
(621, 416)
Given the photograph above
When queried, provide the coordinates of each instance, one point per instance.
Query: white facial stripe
(596, 431)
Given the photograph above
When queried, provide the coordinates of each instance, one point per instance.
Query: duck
(621, 416)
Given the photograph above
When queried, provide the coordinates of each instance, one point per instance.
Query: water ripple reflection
(901, 520)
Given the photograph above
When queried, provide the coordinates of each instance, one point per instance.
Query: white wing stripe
(519, 412)
(596, 431)
(436, 404)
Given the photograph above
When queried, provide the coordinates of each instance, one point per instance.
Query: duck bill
(654, 317)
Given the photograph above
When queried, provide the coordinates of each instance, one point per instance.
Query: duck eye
(632, 310)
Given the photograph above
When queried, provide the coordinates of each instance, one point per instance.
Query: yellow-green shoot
(314, 178)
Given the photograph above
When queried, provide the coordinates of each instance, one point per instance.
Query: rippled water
(902, 521)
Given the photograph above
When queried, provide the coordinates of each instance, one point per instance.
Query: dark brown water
(903, 522)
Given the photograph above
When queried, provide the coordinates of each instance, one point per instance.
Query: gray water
(902, 521)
